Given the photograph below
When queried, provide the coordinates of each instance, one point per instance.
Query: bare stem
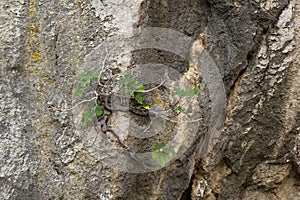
(78, 104)
(145, 91)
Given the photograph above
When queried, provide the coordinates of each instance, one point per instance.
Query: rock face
(247, 57)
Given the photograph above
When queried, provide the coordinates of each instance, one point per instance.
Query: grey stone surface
(255, 45)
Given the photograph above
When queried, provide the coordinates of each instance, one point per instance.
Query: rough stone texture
(262, 120)
(43, 44)
(255, 45)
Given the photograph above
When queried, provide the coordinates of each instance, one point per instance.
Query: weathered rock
(44, 152)
(262, 115)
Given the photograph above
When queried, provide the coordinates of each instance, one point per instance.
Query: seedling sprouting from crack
(185, 93)
(95, 107)
(136, 91)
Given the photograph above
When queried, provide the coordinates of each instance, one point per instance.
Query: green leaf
(99, 110)
(155, 154)
(82, 76)
(192, 92)
(131, 92)
(89, 75)
(129, 85)
(84, 83)
(181, 109)
(92, 74)
(196, 90)
(78, 92)
(158, 145)
(165, 155)
(161, 161)
(87, 117)
(162, 154)
(91, 105)
(183, 93)
(126, 79)
(123, 90)
(189, 93)
(139, 98)
(178, 91)
(140, 88)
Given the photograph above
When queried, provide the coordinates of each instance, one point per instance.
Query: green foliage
(78, 92)
(181, 109)
(98, 110)
(87, 117)
(162, 154)
(128, 84)
(139, 98)
(85, 80)
(186, 93)
(95, 108)
(140, 88)
(132, 87)
(89, 75)
(159, 150)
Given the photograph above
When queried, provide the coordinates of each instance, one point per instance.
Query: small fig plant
(160, 152)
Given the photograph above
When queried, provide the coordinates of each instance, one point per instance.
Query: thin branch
(103, 66)
(78, 104)
(145, 91)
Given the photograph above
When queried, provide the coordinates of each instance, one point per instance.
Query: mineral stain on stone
(32, 8)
